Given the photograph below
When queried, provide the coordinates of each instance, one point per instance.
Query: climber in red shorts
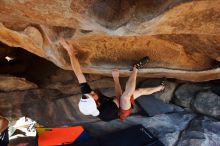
(92, 103)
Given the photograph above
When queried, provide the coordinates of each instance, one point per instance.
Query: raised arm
(118, 90)
(74, 60)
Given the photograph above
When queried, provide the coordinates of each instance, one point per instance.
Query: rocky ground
(54, 104)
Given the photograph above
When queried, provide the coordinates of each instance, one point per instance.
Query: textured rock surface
(207, 103)
(186, 92)
(8, 83)
(181, 38)
(61, 109)
(117, 33)
(201, 97)
(66, 82)
(202, 131)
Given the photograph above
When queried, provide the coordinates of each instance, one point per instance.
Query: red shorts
(123, 114)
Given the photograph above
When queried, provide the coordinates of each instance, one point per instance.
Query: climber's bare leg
(125, 102)
(74, 61)
(147, 91)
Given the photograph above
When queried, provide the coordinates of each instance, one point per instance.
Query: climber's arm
(74, 61)
(118, 90)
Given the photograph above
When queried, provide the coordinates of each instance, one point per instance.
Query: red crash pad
(58, 136)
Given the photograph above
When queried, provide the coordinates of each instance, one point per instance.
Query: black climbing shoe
(140, 64)
(163, 83)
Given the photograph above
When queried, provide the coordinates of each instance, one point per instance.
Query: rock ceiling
(181, 37)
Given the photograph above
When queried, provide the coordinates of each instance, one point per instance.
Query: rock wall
(203, 98)
(181, 37)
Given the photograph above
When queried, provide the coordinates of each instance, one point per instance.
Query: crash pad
(149, 104)
(152, 106)
(58, 136)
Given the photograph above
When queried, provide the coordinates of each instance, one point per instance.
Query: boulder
(48, 107)
(35, 36)
(9, 83)
(202, 131)
(71, 88)
(67, 83)
(118, 33)
(186, 92)
(208, 103)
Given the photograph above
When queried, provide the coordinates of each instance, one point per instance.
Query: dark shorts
(4, 140)
(132, 136)
(108, 109)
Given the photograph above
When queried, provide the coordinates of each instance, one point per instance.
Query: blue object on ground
(133, 136)
(84, 136)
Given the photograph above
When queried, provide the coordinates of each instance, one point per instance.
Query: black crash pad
(150, 105)
(133, 136)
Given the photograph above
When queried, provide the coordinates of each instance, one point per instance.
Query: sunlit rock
(180, 37)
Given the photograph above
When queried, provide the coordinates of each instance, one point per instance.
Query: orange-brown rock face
(181, 37)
